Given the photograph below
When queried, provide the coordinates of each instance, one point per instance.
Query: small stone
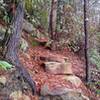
(3, 80)
(17, 95)
(25, 97)
(23, 45)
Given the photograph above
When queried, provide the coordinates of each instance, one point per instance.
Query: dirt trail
(32, 61)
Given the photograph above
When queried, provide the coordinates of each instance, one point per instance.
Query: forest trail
(34, 65)
(31, 59)
(47, 50)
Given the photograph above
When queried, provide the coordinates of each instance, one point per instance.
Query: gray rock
(23, 45)
(45, 90)
(61, 93)
(28, 27)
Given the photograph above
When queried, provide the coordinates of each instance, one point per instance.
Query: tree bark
(13, 45)
(86, 42)
(52, 18)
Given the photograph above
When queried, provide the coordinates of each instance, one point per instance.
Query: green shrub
(94, 57)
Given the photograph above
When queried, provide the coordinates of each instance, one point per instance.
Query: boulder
(46, 90)
(28, 27)
(73, 79)
(61, 93)
(58, 68)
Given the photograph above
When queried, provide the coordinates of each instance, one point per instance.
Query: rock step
(61, 92)
(54, 58)
(58, 67)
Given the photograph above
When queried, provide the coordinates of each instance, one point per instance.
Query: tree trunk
(13, 44)
(60, 14)
(86, 41)
(52, 19)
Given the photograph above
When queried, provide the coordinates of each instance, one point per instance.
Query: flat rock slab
(54, 58)
(58, 68)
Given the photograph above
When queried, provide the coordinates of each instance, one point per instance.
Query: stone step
(58, 67)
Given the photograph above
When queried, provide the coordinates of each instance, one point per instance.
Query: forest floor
(33, 63)
(34, 66)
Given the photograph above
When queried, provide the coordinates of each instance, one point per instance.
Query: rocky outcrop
(61, 93)
(57, 91)
(12, 86)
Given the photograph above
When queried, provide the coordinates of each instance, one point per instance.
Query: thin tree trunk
(86, 42)
(60, 14)
(52, 19)
(13, 45)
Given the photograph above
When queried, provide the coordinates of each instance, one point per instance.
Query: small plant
(34, 43)
(94, 87)
(98, 91)
(94, 57)
(5, 65)
(3, 12)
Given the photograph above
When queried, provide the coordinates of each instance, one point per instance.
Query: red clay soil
(32, 62)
